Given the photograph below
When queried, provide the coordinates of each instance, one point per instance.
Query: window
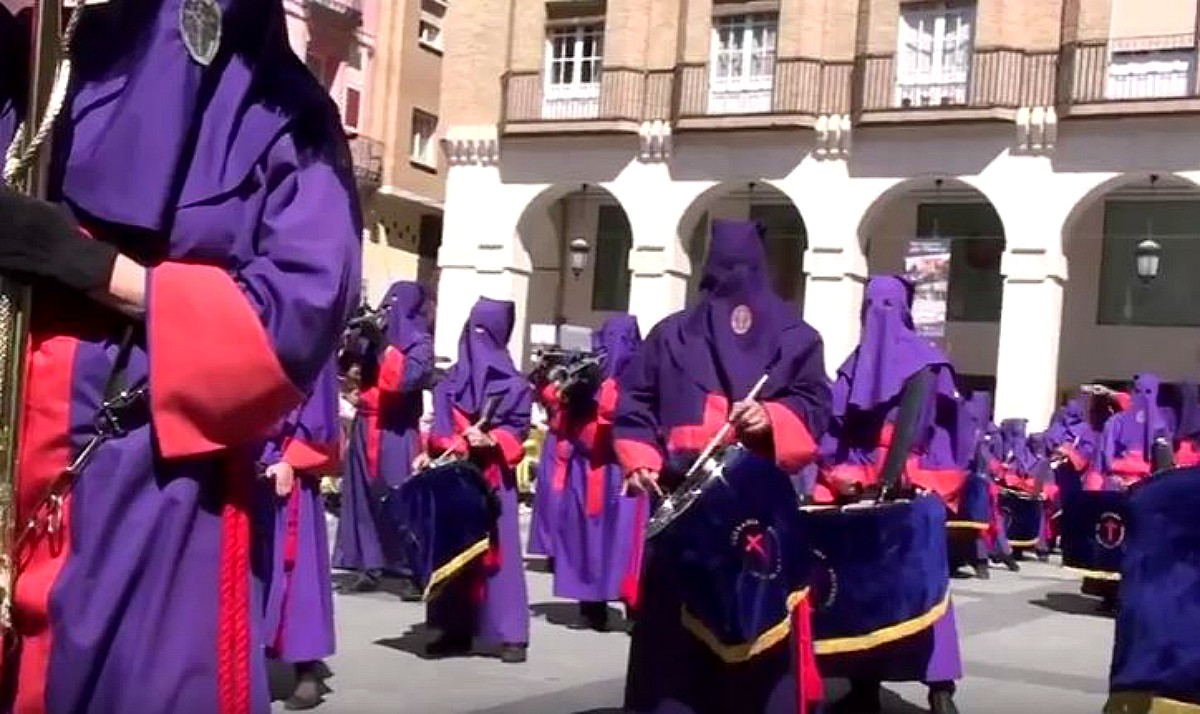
(933, 60)
(610, 279)
(1173, 298)
(424, 126)
(976, 240)
(743, 64)
(351, 109)
(1149, 75)
(429, 27)
(573, 65)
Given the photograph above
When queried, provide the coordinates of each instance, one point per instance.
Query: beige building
(1048, 145)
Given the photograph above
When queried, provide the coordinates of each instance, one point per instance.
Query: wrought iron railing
(1137, 69)
(994, 78)
(621, 94)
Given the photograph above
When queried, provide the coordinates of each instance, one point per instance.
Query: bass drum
(881, 572)
(1094, 525)
(1023, 516)
(739, 557)
(1156, 656)
(445, 516)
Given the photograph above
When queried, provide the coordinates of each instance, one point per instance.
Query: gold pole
(29, 176)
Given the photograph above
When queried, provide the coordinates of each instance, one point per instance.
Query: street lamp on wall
(579, 253)
(1146, 259)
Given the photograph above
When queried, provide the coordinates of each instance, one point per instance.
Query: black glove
(42, 240)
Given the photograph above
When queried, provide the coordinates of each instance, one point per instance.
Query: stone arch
(557, 215)
(959, 226)
(762, 200)
(1115, 324)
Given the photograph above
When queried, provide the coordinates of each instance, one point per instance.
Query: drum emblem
(741, 320)
(758, 547)
(1110, 530)
(824, 581)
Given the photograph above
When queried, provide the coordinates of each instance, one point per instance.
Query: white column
(1030, 329)
(833, 297)
(657, 287)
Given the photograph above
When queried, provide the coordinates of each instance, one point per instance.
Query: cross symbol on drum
(1110, 530)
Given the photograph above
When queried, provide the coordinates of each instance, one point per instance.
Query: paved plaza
(1030, 644)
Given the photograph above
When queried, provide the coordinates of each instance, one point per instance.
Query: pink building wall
(329, 45)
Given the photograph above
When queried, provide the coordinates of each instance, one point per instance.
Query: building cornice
(472, 145)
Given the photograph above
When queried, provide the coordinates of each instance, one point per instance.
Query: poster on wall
(927, 267)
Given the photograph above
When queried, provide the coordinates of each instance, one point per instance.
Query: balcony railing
(350, 9)
(367, 155)
(622, 99)
(1150, 70)
(800, 89)
(998, 80)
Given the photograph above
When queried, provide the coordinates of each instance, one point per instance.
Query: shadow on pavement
(539, 564)
(566, 614)
(1071, 604)
(417, 639)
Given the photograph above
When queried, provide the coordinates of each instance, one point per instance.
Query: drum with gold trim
(1093, 532)
(1023, 515)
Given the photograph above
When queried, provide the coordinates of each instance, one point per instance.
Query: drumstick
(724, 431)
(489, 408)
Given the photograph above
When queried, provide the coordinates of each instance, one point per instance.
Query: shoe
(409, 591)
(595, 615)
(982, 571)
(862, 699)
(449, 645)
(1043, 557)
(307, 694)
(364, 583)
(1011, 563)
(513, 654)
(942, 702)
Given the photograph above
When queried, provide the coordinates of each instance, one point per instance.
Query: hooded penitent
(1128, 437)
(866, 398)
(217, 160)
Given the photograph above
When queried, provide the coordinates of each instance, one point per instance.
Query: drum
(1093, 532)
(964, 528)
(739, 557)
(1023, 516)
(445, 516)
(1156, 656)
(880, 571)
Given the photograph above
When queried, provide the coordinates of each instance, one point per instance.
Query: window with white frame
(742, 66)
(1152, 74)
(574, 56)
(933, 59)
(424, 127)
(429, 27)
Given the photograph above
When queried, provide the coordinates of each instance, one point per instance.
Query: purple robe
(596, 530)
(384, 437)
(298, 622)
(232, 182)
(674, 396)
(488, 598)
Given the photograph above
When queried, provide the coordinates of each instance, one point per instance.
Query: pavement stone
(1030, 643)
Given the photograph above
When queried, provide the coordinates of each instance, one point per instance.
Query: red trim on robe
(215, 380)
(606, 401)
(1123, 400)
(1187, 454)
(635, 455)
(391, 371)
(694, 437)
(313, 458)
(1076, 459)
(368, 408)
(234, 599)
(631, 582)
(511, 448)
(45, 450)
(794, 445)
(1130, 467)
(947, 483)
